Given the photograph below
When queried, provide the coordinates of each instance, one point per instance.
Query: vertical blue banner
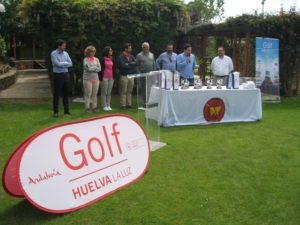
(267, 68)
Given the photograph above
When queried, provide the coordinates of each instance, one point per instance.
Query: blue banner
(267, 68)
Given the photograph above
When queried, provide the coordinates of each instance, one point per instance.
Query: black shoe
(68, 113)
(123, 107)
(129, 107)
(55, 115)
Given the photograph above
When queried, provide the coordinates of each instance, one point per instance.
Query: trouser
(61, 87)
(90, 93)
(106, 88)
(223, 78)
(191, 80)
(126, 90)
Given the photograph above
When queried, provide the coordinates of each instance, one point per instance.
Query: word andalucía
(43, 177)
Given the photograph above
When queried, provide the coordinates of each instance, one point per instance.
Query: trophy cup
(209, 83)
(198, 84)
(185, 84)
(219, 84)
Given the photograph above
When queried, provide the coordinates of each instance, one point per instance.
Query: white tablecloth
(185, 107)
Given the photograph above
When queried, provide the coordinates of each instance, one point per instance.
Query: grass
(225, 174)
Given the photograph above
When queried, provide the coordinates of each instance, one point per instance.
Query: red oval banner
(10, 175)
(67, 167)
(214, 110)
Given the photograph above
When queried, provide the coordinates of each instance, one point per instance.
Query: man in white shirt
(221, 66)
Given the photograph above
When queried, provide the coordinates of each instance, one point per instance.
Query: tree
(10, 21)
(286, 28)
(203, 11)
(101, 23)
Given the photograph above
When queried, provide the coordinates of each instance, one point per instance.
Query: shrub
(2, 49)
(101, 23)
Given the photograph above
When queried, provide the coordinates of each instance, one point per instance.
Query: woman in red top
(107, 78)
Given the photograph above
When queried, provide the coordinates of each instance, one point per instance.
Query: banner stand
(145, 102)
(86, 161)
(267, 68)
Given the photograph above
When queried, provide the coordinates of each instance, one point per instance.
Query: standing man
(145, 64)
(61, 62)
(186, 64)
(167, 60)
(221, 66)
(127, 64)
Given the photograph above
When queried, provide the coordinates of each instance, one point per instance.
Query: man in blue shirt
(186, 64)
(167, 60)
(61, 62)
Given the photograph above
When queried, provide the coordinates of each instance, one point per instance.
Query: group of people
(95, 73)
(145, 62)
(101, 73)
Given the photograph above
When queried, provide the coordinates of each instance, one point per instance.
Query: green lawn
(226, 174)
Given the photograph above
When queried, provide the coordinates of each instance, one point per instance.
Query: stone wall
(29, 64)
(23, 64)
(4, 68)
(7, 79)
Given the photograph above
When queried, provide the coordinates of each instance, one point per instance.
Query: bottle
(229, 81)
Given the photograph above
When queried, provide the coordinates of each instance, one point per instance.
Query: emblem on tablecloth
(214, 110)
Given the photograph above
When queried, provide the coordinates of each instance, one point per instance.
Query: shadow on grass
(25, 213)
(211, 126)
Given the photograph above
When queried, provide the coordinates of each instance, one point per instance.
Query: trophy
(219, 83)
(209, 83)
(169, 80)
(198, 84)
(185, 84)
(176, 80)
(181, 82)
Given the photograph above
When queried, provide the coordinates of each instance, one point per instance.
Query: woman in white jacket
(91, 68)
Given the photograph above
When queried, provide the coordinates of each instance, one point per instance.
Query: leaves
(2, 48)
(102, 23)
(285, 27)
(202, 11)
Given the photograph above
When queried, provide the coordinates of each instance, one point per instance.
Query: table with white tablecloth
(195, 106)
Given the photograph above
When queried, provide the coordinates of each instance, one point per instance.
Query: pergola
(240, 39)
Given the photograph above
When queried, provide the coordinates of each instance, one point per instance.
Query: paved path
(29, 86)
